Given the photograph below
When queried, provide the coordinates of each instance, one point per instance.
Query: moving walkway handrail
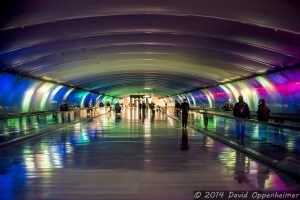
(274, 116)
(39, 113)
(205, 111)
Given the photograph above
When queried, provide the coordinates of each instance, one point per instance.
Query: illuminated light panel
(234, 91)
(83, 98)
(27, 98)
(210, 98)
(186, 97)
(55, 91)
(180, 98)
(98, 97)
(266, 84)
(280, 90)
(44, 92)
(68, 93)
(227, 91)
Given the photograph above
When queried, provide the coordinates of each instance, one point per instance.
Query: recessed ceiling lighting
(47, 78)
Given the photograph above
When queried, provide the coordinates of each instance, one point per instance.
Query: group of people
(241, 110)
(65, 107)
(143, 106)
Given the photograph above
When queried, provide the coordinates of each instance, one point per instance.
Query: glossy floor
(273, 141)
(132, 156)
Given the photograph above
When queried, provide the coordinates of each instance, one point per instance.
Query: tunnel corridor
(134, 99)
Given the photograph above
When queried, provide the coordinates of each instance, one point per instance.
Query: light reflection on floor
(132, 156)
(272, 141)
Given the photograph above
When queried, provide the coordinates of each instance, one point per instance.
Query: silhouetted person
(205, 118)
(90, 109)
(177, 108)
(185, 107)
(108, 105)
(241, 110)
(263, 114)
(144, 107)
(118, 108)
(228, 106)
(64, 106)
(184, 140)
(152, 108)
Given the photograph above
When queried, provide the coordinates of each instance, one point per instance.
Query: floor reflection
(133, 150)
(275, 142)
(184, 140)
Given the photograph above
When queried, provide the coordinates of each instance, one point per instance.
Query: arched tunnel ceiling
(119, 47)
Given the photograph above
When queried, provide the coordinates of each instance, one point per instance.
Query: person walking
(241, 110)
(177, 108)
(144, 106)
(185, 107)
(152, 107)
(90, 108)
(263, 115)
(64, 106)
(118, 108)
(263, 112)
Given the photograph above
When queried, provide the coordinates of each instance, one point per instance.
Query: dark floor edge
(47, 130)
(287, 165)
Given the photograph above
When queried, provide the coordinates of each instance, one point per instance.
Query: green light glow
(193, 99)
(209, 97)
(180, 98)
(250, 96)
(266, 84)
(104, 100)
(234, 91)
(227, 91)
(27, 97)
(83, 98)
(98, 97)
(186, 97)
(115, 100)
(44, 92)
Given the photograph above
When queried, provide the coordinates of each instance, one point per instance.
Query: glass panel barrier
(276, 141)
(26, 125)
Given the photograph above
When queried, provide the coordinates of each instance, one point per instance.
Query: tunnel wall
(281, 91)
(22, 94)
